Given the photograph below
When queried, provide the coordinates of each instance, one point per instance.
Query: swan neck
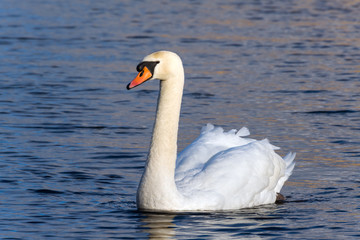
(157, 189)
(164, 140)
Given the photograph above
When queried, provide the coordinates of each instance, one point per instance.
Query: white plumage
(218, 171)
(235, 172)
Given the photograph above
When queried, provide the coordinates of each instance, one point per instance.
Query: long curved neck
(163, 149)
(157, 189)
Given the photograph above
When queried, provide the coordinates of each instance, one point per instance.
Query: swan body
(218, 171)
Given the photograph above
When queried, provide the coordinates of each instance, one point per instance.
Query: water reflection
(229, 223)
(158, 225)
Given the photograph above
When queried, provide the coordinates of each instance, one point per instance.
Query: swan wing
(241, 176)
(211, 141)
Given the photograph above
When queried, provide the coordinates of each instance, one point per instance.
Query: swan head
(161, 65)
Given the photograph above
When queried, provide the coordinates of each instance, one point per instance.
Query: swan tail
(207, 128)
(289, 164)
(243, 132)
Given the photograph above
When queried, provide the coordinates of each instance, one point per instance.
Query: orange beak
(143, 76)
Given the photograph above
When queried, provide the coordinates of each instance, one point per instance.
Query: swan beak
(143, 76)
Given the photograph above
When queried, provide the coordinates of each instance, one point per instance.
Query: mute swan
(218, 171)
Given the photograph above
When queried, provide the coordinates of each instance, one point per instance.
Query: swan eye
(148, 64)
(140, 67)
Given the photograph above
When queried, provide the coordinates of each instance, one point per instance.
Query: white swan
(218, 171)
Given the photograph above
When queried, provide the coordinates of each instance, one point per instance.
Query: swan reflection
(227, 224)
(159, 225)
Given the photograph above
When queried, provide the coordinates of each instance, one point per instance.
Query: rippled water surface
(73, 140)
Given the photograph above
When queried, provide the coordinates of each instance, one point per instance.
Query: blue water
(73, 140)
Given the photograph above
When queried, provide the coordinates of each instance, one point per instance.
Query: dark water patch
(88, 90)
(46, 191)
(121, 207)
(106, 181)
(308, 54)
(8, 181)
(146, 92)
(39, 93)
(295, 62)
(55, 27)
(199, 78)
(47, 125)
(314, 91)
(64, 127)
(233, 45)
(114, 176)
(347, 74)
(25, 39)
(35, 222)
(353, 154)
(127, 133)
(21, 155)
(40, 172)
(298, 45)
(91, 193)
(340, 142)
(113, 40)
(5, 43)
(133, 131)
(72, 77)
(122, 101)
(349, 79)
(140, 37)
(48, 107)
(115, 155)
(8, 152)
(22, 85)
(78, 175)
(289, 71)
(328, 190)
(189, 40)
(36, 74)
(199, 95)
(131, 128)
(330, 112)
(292, 92)
(93, 127)
(6, 101)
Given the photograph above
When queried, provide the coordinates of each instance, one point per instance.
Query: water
(73, 141)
